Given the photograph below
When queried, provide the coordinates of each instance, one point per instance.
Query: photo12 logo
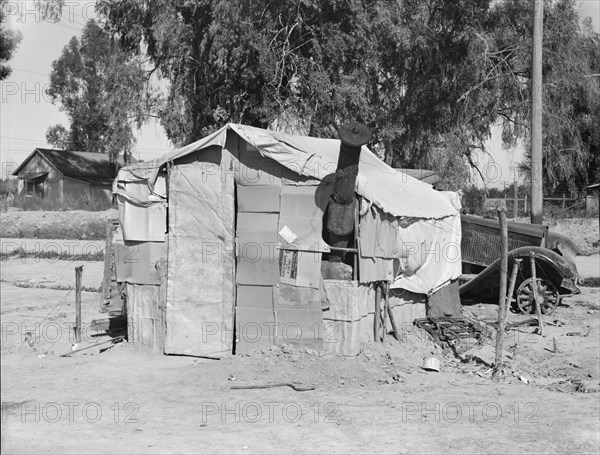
(69, 411)
(454, 412)
(53, 11)
(268, 412)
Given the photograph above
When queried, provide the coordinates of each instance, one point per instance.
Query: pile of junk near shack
(250, 238)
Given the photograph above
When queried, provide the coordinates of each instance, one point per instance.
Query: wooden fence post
(536, 300)
(160, 308)
(108, 263)
(78, 272)
(377, 315)
(502, 295)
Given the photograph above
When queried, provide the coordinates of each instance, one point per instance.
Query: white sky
(26, 113)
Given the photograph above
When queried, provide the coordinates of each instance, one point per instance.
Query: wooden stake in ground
(386, 303)
(536, 301)
(78, 273)
(108, 257)
(502, 294)
(377, 315)
(393, 323)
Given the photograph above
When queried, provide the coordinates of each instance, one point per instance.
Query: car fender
(550, 265)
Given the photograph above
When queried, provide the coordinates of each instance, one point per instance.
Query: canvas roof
(396, 193)
(93, 168)
(424, 175)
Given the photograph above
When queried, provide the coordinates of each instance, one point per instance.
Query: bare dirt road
(125, 400)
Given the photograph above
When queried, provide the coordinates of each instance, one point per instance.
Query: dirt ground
(127, 400)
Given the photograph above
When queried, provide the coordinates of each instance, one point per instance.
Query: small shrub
(52, 255)
(84, 201)
(472, 200)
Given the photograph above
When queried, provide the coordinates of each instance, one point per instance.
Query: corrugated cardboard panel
(255, 297)
(375, 269)
(300, 268)
(287, 297)
(300, 328)
(124, 257)
(257, 254)
(260, 198)
(248, 221)
(348, 323)
(255, 329)
(301, 219)
(257, 261)
(201, 261)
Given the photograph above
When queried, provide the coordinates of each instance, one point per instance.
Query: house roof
(92, 168)
(397, 194)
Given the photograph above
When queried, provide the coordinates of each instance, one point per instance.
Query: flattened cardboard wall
(257, 264)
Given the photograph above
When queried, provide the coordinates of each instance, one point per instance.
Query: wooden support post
(160, 329)
(377, 315)
(386, 302)
(108, 263)
(513, 281)
(502, 294)
(393, 323)
(536, 300)
(78, 272)
(516, 198)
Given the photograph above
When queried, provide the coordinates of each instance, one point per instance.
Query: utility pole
(537, 201)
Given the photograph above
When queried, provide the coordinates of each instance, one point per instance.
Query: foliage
(104, 92)
(84, 201)
(59, 137)
(472, 200)
(52, 255)
(9, 41)
(427, 77)
(8, 187)
(571, 95)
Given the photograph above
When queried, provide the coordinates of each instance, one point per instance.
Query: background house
(60, 174)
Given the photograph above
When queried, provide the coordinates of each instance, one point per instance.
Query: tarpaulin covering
(430, 254)
(143, 216)
(394, 192)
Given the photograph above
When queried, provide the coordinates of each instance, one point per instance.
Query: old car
(556, 272)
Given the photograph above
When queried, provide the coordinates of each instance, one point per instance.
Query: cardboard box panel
(255, 297)
(255, 329)
(300, 328)
(287, 297)
(300, 268)
(260, 198)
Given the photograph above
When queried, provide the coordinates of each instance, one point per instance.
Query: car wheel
(547, 294)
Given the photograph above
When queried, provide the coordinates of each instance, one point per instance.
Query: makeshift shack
(221, 246)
